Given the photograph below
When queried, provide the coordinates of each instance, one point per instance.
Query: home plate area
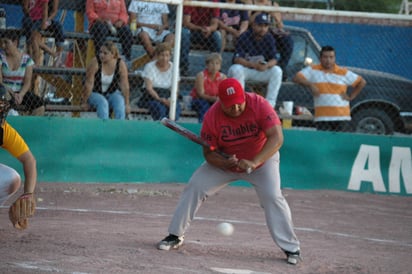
(114, 228)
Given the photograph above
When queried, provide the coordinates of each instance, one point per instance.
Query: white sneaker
(13, 112)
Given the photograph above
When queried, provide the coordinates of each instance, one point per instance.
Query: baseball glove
(21, 210)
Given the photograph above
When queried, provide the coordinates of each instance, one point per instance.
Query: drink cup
(187, 102)
(288, 107)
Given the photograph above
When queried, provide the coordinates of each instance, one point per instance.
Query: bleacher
(68, 81)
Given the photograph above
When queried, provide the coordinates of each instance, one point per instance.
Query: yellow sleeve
(13, 142)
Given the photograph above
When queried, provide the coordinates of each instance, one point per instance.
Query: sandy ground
(114, 228)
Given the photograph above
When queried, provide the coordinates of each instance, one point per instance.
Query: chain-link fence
(249, 38)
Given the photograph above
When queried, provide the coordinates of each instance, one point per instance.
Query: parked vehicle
(383, 107)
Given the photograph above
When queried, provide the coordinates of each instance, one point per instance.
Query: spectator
(328, 83)
(106, 81)
(199, 27)
(206, 85)
(17, 73)
(255, 58)
(284, 42)
(11, 141)
(109, 18)
(244, 126)
(40, 15)
(157, 77)
(232, 23)
(151, 19)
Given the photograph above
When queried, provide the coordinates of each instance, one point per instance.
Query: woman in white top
(107, 84)
(157, 77)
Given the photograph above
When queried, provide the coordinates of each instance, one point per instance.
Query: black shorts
(31, 101)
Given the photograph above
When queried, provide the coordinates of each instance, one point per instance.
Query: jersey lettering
(244, 131)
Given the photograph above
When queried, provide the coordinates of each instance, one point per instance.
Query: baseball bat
(194, 138)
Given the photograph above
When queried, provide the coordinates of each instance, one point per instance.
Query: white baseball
(225, 229)
(308, 61)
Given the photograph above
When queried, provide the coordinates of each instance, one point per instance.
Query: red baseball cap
(231, 92)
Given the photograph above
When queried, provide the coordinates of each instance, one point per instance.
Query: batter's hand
(246, 165)
(231, 162)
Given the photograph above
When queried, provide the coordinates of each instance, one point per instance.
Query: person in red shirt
(245, 126)
(200, 26)
(11, 141)
(205, 91)
(109, 18)
(41, 15)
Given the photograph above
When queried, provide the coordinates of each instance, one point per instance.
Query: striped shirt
(14, 79)
(329, 105)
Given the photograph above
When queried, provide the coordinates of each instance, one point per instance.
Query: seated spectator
(232, 23)
(107, 84)
(207, 81)
(109, 18)
(255, 58)
(284, 41)
(199, 27)
(157, 77)
(152, 24)
(39, 15)
(17, 72)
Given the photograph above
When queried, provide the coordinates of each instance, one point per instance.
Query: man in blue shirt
(232, 23)
(255, 58)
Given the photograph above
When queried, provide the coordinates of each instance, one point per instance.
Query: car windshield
(303, 51)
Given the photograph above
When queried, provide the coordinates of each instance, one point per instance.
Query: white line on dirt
(42, 266)
(306, 229)
(236, 271)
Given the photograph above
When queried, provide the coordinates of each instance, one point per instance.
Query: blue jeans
(159, 110)
(200, 106)
(284, 45)
(213, 43)
(103, 104)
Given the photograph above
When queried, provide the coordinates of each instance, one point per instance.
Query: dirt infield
(113, 228)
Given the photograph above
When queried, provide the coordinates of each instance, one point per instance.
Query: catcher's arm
(25, 206)
(30, 171)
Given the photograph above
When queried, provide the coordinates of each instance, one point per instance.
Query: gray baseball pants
(207, 180)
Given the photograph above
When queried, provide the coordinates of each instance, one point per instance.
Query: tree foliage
(382, 6)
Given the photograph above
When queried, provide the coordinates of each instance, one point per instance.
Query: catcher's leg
(9, 182)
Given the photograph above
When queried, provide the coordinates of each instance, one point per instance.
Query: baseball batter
(245, 126)
(10, 180)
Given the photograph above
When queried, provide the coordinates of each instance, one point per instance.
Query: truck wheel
(373, 121)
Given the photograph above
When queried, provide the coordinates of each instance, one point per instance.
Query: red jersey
(243, 136)
(113, 10)
(36, 9)
(210, 86)
(201, 16)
